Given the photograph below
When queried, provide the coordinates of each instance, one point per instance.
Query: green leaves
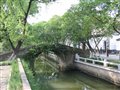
(13, 18)
(75, 26)
(81, 22)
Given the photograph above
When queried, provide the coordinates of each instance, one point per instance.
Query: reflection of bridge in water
(99, 68)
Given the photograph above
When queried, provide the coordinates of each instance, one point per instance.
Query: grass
(15, 82)
(3, 63)
(29, 75)
(37, 82)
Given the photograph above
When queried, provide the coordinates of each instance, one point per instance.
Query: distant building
(113, 43)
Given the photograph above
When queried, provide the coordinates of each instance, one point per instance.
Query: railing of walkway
(103, 63)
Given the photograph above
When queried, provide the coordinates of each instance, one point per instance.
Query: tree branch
(114, 24)
(115, 29)
(98, 35)
(98, 19)
(91, 49)
(26, 15)
(8, 37)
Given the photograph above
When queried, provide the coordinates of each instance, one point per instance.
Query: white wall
(112, 45)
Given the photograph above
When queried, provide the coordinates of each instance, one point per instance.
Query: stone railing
(103, 63)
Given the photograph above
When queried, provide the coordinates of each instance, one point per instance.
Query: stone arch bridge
(65, 54)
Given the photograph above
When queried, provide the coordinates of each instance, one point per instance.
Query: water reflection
(76, 80)
(72, 80)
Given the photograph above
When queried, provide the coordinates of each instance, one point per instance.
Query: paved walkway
(4, 76)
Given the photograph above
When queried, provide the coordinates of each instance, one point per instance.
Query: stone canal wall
(110, 75)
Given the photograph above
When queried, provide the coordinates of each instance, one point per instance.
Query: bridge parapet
(103, 63)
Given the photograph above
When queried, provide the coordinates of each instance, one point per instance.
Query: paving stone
(4, 76)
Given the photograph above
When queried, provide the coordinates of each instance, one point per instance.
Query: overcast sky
(56, 8)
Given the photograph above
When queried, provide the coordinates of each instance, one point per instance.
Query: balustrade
(103, 63)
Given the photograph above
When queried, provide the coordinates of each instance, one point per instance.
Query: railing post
(77, 57)
(93, 61)
(118, 66)
(85, 59)
(105, 62)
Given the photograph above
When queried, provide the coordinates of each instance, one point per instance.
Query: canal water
(70, 80)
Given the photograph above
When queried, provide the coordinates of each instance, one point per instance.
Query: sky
(48, 11)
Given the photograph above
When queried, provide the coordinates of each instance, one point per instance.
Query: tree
(77, 26)
(53, 30)
(104, 16)
(89, 19)
(47, 32)
(13, 20)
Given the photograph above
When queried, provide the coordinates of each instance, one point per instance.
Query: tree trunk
(16, 50)
(83, 46)
(91, 49)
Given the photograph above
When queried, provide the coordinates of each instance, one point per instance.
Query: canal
(51, 79)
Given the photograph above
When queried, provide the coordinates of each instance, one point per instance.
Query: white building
(113, 43)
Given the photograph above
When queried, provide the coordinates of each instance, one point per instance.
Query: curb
(25, 83)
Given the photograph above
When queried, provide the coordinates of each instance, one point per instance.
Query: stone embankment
(105, 70)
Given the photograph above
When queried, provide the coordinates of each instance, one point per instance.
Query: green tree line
(86, 20)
